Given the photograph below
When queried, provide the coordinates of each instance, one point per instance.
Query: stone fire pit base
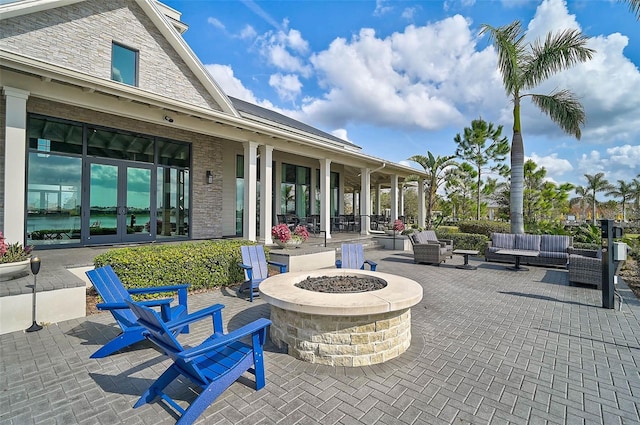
(342, 341)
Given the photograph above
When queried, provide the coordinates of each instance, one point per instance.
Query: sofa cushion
(528, 242)
(557, 243)
(420, 237)
(503, 240)
(553, 254)
(430, 235)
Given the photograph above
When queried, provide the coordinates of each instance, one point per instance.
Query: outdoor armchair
(256, 268)
(353, 258)
(115, 296)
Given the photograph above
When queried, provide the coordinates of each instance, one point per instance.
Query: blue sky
(400, 78)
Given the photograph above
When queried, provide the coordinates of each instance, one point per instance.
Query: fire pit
(345, 328)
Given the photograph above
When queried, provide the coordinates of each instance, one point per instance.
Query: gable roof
(266, 116)
(165, 25)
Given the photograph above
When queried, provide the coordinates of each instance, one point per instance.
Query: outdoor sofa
(553, 250)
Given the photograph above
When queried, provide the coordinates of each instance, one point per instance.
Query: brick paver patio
(489, 346)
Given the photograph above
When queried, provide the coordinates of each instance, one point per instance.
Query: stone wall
(79, 37)
(342, 340)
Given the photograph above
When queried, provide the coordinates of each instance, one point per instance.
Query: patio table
(518, 253)
(466, 253)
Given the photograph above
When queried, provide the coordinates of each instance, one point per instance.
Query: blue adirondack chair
(256, 268)
(353, 258)
(114, 295)
(214, 365)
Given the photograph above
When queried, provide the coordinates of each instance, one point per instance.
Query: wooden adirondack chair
(214, 365)
(353, 258)
(256, 268)
(114, 295)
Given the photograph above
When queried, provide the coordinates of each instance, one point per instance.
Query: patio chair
(353, 258)
(115, 295)
(256, 268)
(585, 266)
(428, 252)
(214, 364)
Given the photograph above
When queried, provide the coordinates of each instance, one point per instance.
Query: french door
(120, 202)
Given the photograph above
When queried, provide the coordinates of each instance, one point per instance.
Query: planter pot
(9, 271)
(290, 244)
(391, 232)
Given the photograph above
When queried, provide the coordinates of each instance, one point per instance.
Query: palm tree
(523, 67)
(596, 183)
(624, 190)
(435, 167)
(634, 7)
(471, 147)
(582, 200)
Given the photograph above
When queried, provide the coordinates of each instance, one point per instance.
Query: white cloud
(341, 133)
(381, 8)
(285, 51)
(397, 82)
(216, 23)
(555, 166)
(248, 33)
(223, 75)
(619, 163)
(408, 13)
(288, 87)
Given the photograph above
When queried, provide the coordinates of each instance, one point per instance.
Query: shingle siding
(79, 37)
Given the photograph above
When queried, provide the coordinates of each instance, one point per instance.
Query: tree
(543, 199)
(523, 67)
(596, 183)
(582, 200)
(634, 7)
(435, 167)
(471, 147)
(460, 186)
(624, 190)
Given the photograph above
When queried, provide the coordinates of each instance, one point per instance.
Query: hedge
(467, 241)
(204, 265)
(484, 227)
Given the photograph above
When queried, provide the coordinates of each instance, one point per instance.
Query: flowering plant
(282, 233)
(398, 226)
(11, 253)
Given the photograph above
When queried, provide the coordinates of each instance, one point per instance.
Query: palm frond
(509, 44)
(564, 109)
(559, 51)
(634, 7)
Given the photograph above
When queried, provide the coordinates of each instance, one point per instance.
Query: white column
(250, 190)
(394, 197)
(266, 189)
(341, 193)
(278, 192)
(365, 201)
(313, 192)
(378, 204)
(421, 204)
(325, 196)
(15, 165)
(401, 200)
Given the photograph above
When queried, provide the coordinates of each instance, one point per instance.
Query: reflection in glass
(103, 199)
(53, 199)
(119, 145)
(138, 208)
(172, 210)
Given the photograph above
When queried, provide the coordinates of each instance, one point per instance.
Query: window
(124, 64)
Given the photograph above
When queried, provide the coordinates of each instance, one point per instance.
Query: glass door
(119, 203)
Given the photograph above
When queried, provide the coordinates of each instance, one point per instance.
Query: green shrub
(484, 227)
(586, 233)
(466, 241)
(586, 245)
(447, 229)
(204, 265)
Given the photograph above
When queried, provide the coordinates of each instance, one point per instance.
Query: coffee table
(466, 253)
(518, 253)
